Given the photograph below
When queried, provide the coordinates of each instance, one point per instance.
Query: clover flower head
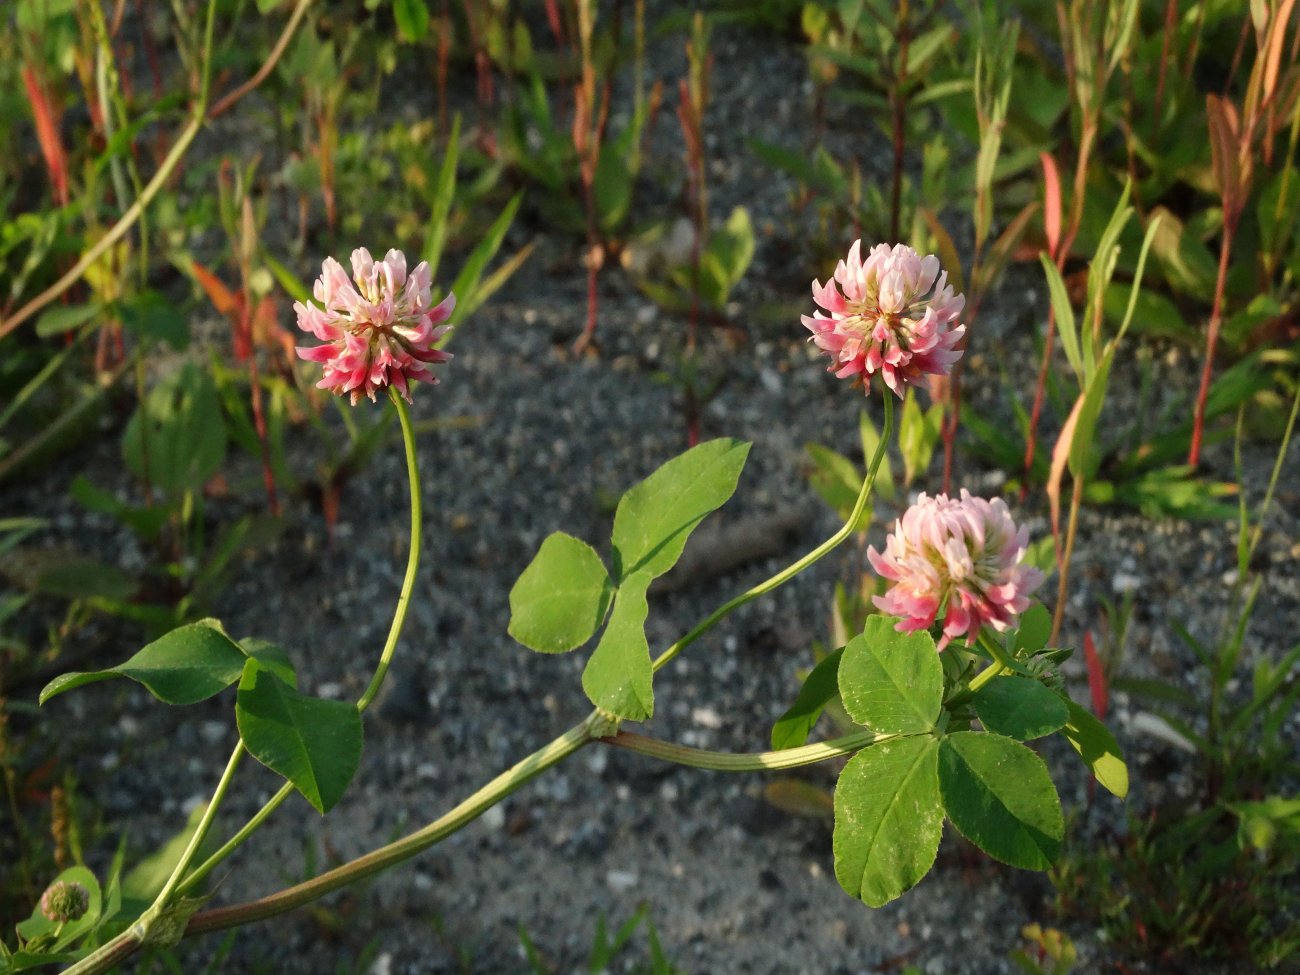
(379, 332)
(887, 315)
(65, 901)
(963, 554)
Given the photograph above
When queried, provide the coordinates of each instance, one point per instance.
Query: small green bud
(65, 901)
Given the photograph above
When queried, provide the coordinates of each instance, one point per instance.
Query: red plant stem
(691, 123)
(587, 143)
(226, 102)
(1211, 340)
(1237, 55)
(1063, 568)
(697, 239)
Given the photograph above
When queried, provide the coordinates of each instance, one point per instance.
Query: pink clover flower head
(379, 332)
(888, 315)
(963, 554)
(65, 900)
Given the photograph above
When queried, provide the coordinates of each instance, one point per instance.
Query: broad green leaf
(618, 676)
(561, 599)
(176, 440)
(312, 742)
(888, 818)
(998, 794)
(38, 924)
(272, 656)
(792, 728)
(412, 18)
(187, 665)
(654, 518)
(1035, 628)
(65, 318)
(891, 682)
(1020, 708)
(1098, 749)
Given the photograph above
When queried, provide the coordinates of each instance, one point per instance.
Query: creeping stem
(754, 762)
(792, 570)
(386, 856)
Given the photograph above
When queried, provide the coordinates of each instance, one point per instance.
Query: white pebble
(706, 717)
(621, 881)
(1123, 582)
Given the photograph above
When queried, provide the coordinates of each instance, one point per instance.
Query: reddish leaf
(1051, 203)
(554, 22)
(227, 302)
(1061, 457)
(1272, 48)
(1096, 678)
(1222, 118)
(47, 134)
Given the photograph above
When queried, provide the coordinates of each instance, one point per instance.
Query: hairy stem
(1211, 340)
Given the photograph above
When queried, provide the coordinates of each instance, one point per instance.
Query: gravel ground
(526, 440)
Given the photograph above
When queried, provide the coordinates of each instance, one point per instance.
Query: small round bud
(65, 901)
